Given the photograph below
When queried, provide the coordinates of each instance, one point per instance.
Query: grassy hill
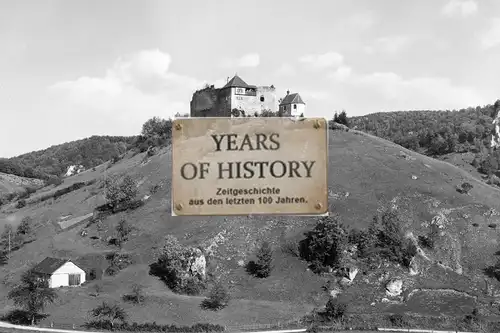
(11, 183)
(365, 173)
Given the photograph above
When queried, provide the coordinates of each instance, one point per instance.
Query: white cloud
(461, 8)
(389, 44)
(247, 60)
(491, 37)
(322, 61)
(285, 70)
(135, 88)
(342, 73)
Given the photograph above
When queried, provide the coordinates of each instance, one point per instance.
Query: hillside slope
(365, 172)
(55, 160)
(11, 183)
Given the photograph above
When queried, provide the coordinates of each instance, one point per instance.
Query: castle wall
(253, 104)
(211, 102)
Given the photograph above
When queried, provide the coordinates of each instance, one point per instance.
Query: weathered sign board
(243, 166)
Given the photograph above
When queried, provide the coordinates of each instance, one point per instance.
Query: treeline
(55, 160)
(437, 133)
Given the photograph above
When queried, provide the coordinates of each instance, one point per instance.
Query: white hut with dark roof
(292, 105)
(59, 272)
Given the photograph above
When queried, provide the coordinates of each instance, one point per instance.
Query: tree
(120, 189)
(32, 294)
(109, 313)
(324, 246)
(123, 229)
(157, 127)
(136, 296)
(264, 260)
(218, 299)
(24, 227)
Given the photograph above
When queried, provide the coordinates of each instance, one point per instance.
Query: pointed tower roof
(237, 82)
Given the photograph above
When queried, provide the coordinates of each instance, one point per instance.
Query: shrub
(21, 203)
(390, 239)
(466, 187)
(123, 229)
(171, 268)
(56, 181)
(24, 228)
(263, 267)
(324, 246)
(109, 313)
(154, 188)
(398, 320)
(120, 189)
(218, 298)
(136, 296)
(27, 192)
(334, 309)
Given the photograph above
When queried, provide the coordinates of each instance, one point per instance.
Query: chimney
(288, 92)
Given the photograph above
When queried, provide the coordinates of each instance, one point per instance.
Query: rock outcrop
(495, 135)
(394, 287)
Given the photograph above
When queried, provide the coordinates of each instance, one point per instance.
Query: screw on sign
(249, 166)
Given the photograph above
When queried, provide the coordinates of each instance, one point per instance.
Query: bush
(64, 191)
(56, 181)
(152, 327)
(120, 189)
(21, 203)
(398, 320)
(136, 296)
(24, 228)
(263, 267)
(466, 187)
(390, 239)
(334, 310)
(171, 268)
(324, 246)
(218, 298)
(27, 192)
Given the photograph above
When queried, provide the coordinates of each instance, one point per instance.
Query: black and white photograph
(280, 166)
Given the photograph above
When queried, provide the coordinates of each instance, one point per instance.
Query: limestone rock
(394, 287)
(414, 269)
(196, 263)
(335, 292)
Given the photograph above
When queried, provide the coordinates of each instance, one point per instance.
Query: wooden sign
(242, 166)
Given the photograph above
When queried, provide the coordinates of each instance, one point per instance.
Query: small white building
(60, 272)
(292, 105)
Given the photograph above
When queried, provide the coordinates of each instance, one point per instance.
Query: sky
(72, 69)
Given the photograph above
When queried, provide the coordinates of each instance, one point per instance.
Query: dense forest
(55, 160)
(436, 133)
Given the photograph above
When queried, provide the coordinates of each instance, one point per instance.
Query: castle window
(262, 98)
(295, 106)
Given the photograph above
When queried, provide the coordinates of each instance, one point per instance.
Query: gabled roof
(292, 99)
(49, 265)
(237, 82)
